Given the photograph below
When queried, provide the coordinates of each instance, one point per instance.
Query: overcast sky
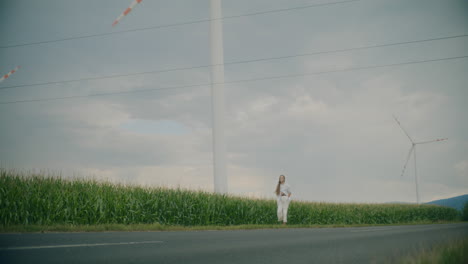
(333, 135)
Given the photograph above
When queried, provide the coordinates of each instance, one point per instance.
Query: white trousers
(283, 204)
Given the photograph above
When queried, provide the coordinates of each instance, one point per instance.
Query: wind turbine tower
(413, 150)
(217, 97)
(217, 91)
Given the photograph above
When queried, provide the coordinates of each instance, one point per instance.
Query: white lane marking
(370, 230)
(81, 245)
(359, 231)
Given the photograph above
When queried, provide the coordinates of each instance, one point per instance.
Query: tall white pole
(217, 97)
(416, 176)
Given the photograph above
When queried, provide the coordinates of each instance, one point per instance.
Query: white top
(285, 188)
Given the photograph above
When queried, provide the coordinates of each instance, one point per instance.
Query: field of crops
(28, 200)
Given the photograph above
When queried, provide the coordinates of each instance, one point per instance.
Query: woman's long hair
(279, 183)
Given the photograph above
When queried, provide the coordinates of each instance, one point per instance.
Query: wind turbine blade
(128, 10)
(406, 133)
(431, 141)
(407, 160)
(10, 73)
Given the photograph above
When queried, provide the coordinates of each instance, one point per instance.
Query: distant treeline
(45, 200)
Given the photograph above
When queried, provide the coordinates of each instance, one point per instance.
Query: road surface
(325, 245)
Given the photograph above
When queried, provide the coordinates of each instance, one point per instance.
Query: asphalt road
(327, 245)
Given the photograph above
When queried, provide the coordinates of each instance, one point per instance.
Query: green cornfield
(42, 200)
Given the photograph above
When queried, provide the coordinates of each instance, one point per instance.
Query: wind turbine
(217, 97)
(128, 10)
(9, 73)
(217, 92)
(413, 150)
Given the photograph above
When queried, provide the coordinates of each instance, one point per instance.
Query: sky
(332, 134)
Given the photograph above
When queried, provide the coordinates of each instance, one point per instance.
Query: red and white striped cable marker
(134, 3)
(10, 73)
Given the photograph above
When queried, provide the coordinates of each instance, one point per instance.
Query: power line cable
(239, 81)
(236, 62)
(177, 24)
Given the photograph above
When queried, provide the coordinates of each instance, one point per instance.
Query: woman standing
(283, 194)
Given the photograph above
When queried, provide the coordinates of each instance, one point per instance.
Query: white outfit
(283, 202)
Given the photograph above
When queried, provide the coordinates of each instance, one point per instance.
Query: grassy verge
(159, 227)
(454, 252)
